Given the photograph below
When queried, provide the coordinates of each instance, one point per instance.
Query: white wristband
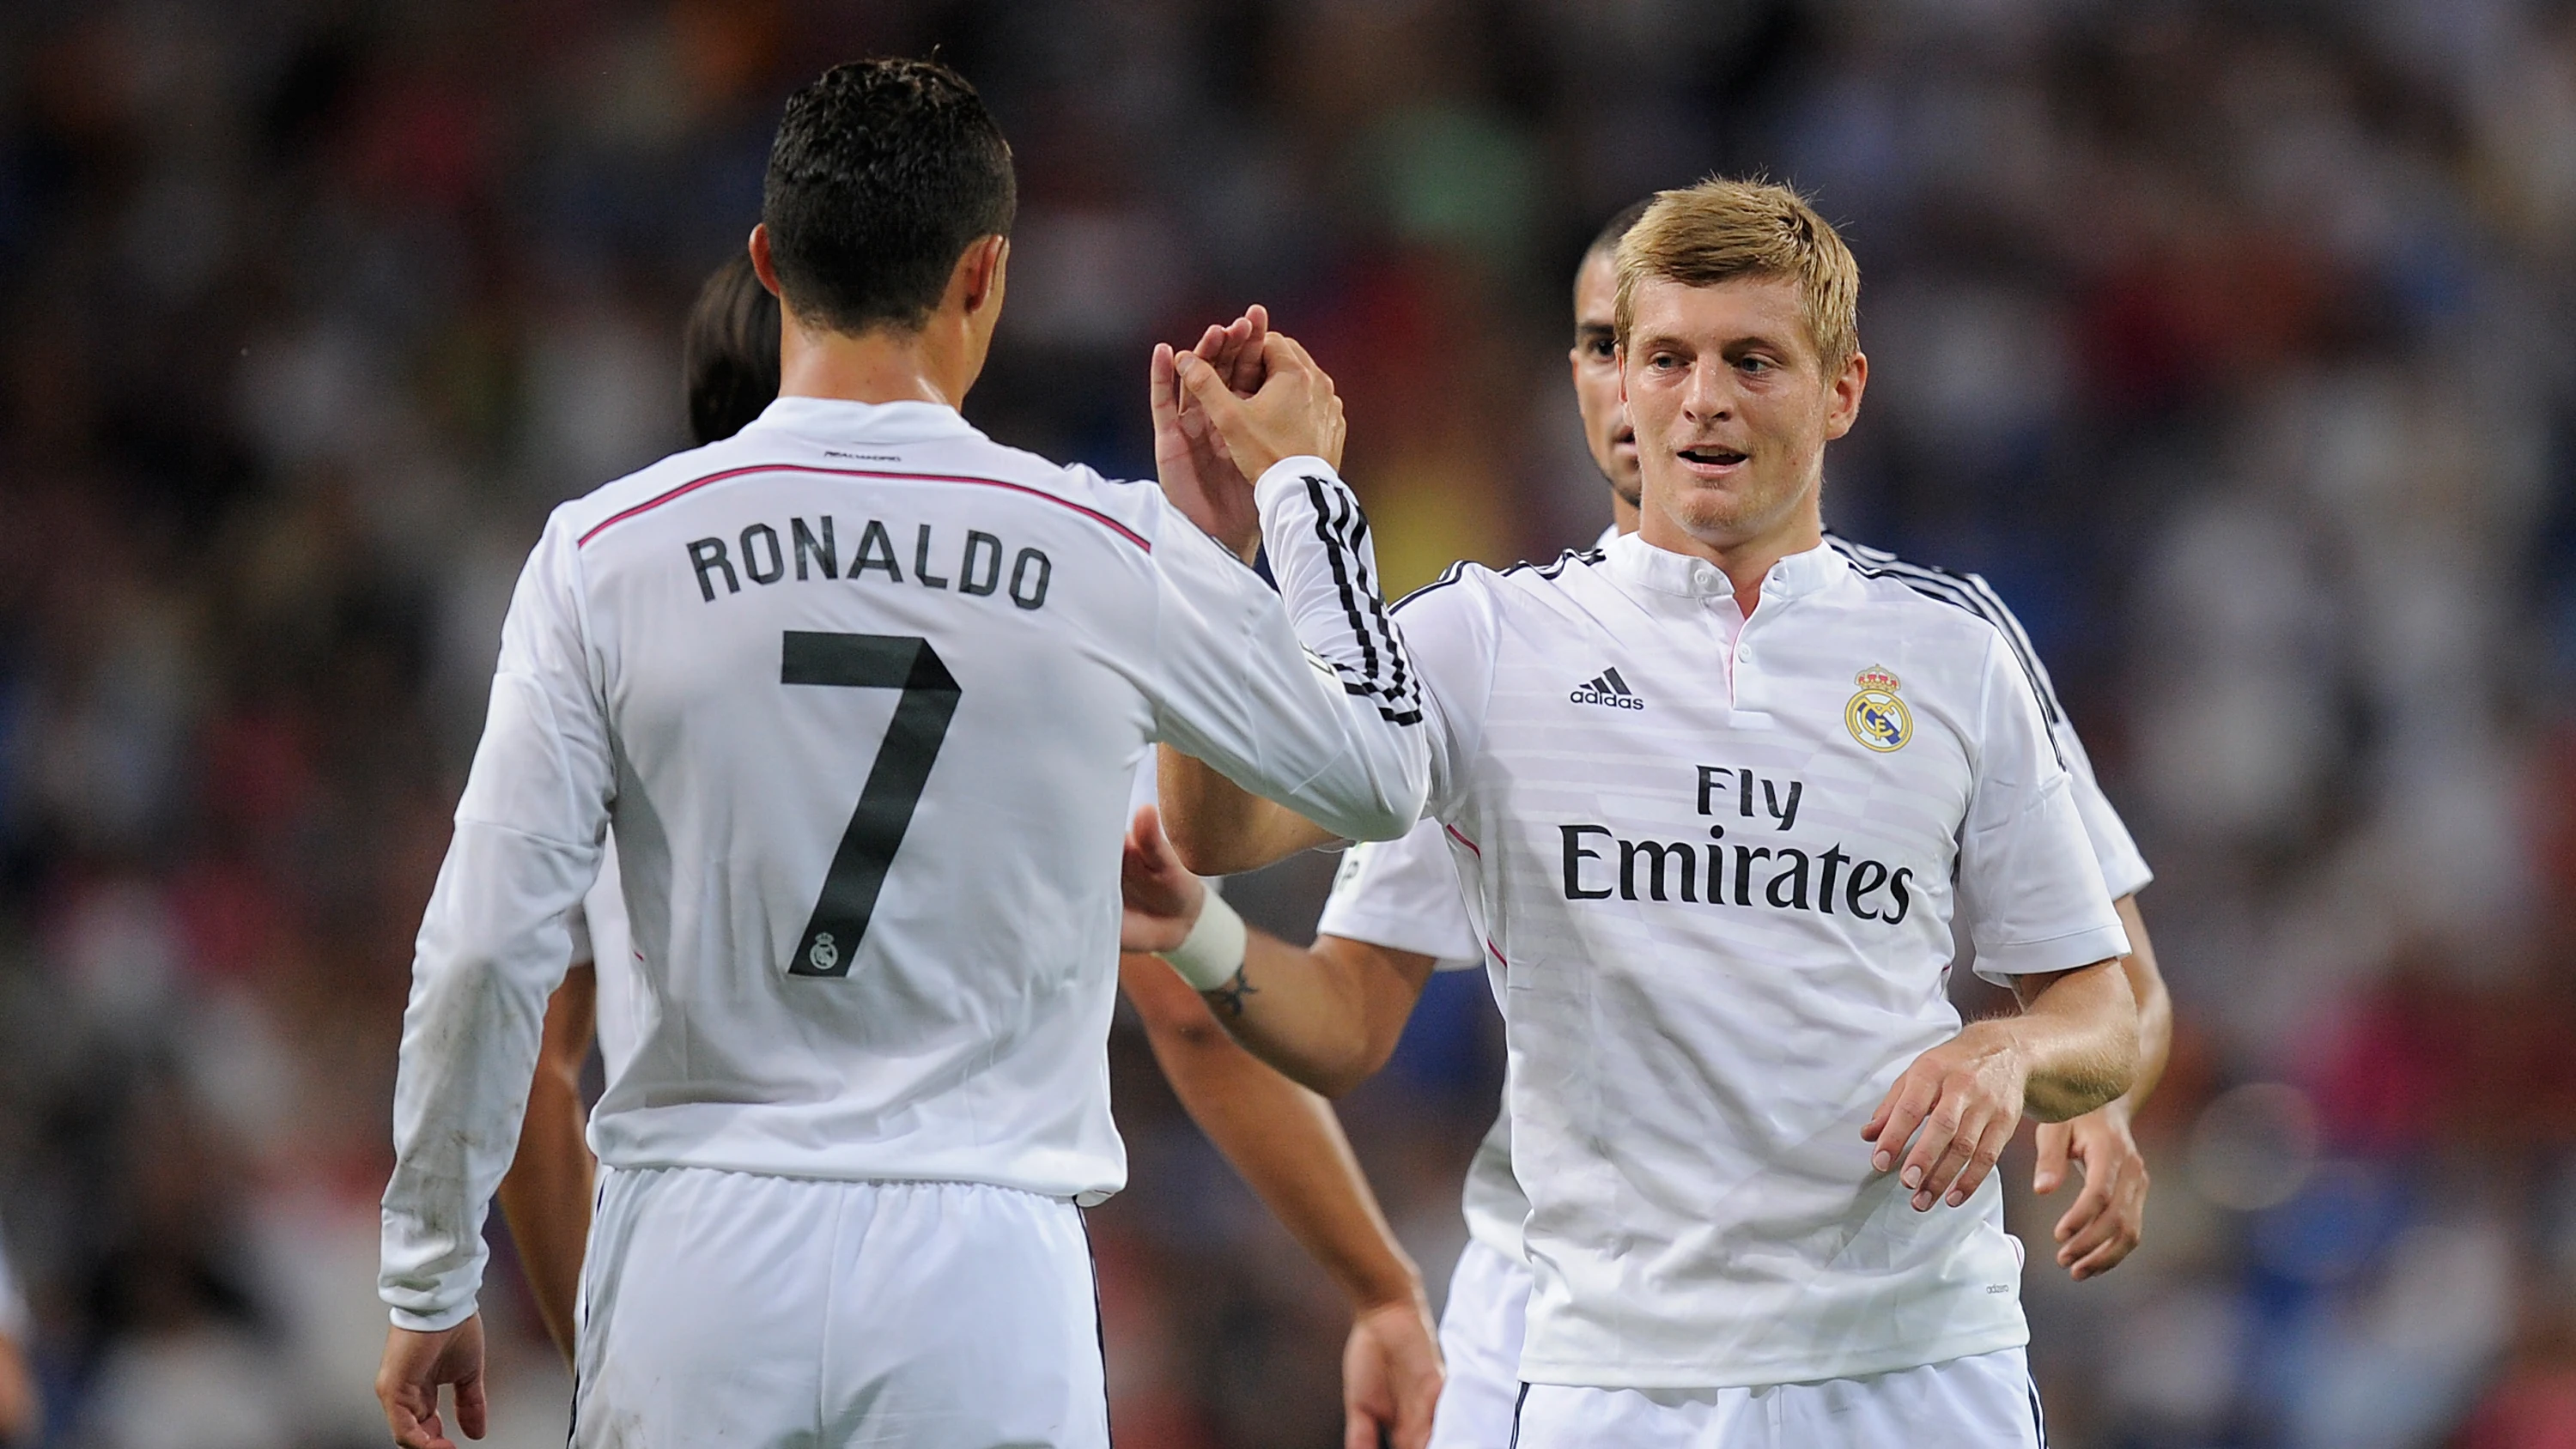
(1215, 948)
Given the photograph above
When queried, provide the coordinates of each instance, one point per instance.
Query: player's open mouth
(1712, 457)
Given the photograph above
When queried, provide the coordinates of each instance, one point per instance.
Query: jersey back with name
(874, 687)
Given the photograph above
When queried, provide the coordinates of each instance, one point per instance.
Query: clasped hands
(1226, 410)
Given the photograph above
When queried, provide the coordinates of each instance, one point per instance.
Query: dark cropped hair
(883, 172)
(1606, 241)
(729, 354)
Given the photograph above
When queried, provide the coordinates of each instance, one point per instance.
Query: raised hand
(1295, 411)
(1238, 355)
(1190, 457)
(2107, 1218)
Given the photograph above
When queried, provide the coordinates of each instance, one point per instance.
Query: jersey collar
(1634, 561)
(840, 420)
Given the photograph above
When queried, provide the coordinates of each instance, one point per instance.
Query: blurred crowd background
(2231, 340)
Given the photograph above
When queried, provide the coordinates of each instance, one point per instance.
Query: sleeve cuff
(1285, 474)
(438, 1322)
(1999, 964)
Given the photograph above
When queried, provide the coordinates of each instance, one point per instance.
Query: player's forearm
(1323, 1019)
(1220, 828)
(1283, 1139)
(2155, 1004)
(546, 1196)
(2076, 1038)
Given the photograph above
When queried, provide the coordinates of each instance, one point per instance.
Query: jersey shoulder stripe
(1961, 590)
(694, 484)
(1589, 557)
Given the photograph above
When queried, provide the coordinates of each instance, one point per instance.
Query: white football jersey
(862, 692)
(1715, 862)
(601, 937)
(1403, 894)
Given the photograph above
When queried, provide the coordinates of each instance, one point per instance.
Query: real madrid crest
(1876, 717)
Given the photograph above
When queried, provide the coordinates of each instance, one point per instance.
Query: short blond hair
(1720, 230)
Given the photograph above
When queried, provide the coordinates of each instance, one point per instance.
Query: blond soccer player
(1397, 906)
(1756, 1140)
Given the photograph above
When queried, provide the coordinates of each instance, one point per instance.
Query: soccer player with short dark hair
(861, 693)
(1284, 1139)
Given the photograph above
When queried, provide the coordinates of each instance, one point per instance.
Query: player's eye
(1755, 364)
(1601, 348)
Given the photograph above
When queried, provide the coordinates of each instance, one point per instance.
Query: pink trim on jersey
(1462, 840)
(1498, 956)
(694, 484)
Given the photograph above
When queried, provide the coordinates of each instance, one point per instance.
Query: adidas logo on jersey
(1607, 688)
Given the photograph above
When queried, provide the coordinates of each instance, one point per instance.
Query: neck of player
(935, 362)
(878, 366)
(1745, 558)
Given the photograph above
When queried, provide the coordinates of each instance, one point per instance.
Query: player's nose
(1706, 397)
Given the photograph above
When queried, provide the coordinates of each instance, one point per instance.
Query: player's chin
(1717, 513)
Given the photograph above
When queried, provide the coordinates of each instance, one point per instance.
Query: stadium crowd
(2232, 342)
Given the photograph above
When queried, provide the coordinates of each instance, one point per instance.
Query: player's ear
(763, 265)
(982, 272)
(1842, 406)
(1619, 365)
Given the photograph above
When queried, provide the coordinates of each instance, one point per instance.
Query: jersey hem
(1090, 1191)
(1629, 1373)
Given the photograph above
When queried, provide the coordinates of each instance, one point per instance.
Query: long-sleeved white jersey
(863, 693)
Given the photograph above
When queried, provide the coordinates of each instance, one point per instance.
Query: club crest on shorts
(1875, 716)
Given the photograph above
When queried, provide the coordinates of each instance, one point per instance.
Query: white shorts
(1981, 1402)
(780, 1313)
(1480, 1337)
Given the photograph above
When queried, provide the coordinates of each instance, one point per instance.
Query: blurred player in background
(841, 1168)
(1396, 906)
(1689, 1047)
(1282, 1138)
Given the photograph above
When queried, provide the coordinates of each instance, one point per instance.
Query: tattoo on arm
(1229, 997)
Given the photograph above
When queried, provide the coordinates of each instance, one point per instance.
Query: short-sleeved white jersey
(1391, 893)
(2124, 870)
(1716, 861)
(862, 693)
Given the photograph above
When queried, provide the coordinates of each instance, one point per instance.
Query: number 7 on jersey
(895, 781)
